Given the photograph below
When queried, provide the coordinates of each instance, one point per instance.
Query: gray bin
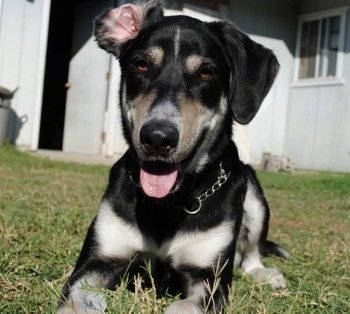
(5, 102)
(4, 120)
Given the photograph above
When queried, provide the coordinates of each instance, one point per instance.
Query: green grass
(46, 207)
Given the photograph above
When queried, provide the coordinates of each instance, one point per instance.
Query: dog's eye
(142, 66)
(205, 74)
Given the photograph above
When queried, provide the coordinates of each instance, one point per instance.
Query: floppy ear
(114, 28)
(253, 70)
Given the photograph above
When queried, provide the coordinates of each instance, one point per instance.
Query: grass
(46, 207)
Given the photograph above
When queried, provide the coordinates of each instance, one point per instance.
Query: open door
(87, 84)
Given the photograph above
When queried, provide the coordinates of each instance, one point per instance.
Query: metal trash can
(5, 102)
(4, 118)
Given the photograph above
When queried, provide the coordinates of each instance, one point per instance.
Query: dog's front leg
(83, 293)
(204, 263)
(107, 254)
(206, 290)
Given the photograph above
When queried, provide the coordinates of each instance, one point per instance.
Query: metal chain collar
(222, 179)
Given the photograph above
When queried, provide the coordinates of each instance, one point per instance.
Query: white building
(67, 98)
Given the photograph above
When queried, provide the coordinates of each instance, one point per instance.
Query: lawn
(46, 207)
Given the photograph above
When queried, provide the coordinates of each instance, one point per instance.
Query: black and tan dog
(179, 199)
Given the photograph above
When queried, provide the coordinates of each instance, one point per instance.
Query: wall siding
(311, 6)
(319, 116)
(268, 18)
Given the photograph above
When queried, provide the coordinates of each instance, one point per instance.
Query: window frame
(338, 79)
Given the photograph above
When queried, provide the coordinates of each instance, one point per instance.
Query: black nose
(159, 137)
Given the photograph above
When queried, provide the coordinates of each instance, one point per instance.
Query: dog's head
(183, 83)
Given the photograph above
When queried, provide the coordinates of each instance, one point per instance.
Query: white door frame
(43, 38)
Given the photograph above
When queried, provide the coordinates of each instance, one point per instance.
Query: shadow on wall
(10, 122)
(15, 125)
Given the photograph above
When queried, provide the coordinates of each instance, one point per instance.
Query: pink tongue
(157, 185)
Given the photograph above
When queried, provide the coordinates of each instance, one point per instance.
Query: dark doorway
(56, 73)
(60, 50)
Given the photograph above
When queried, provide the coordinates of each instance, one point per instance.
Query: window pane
(329, 46)
(308, 49)
(323, 65)
(333, 44)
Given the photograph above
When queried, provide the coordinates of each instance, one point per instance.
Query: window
(320, 45)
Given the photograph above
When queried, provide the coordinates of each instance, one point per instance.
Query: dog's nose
(159, 137)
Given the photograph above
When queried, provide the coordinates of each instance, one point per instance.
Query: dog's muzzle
(158, 141)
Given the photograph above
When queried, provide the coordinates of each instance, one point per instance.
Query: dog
(179, 198)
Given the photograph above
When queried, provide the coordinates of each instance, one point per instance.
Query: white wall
(318, 131)
(115, 142)
(24, 27)
(318, 135)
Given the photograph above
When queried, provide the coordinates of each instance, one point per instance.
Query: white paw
(79, 309)
(269, 275)
(183, 307)
(63, 309)
(88, 303)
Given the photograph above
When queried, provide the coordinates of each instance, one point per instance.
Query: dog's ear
(114, 28)
(253, 70)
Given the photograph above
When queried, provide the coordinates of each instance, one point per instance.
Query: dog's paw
(269, 275)
(65, 310)
(185, 307)
(78, 309)
(88, 305)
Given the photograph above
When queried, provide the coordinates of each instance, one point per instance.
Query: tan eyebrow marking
(193, 63)
(156, 54)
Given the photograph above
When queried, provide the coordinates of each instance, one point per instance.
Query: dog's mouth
(157, 179)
